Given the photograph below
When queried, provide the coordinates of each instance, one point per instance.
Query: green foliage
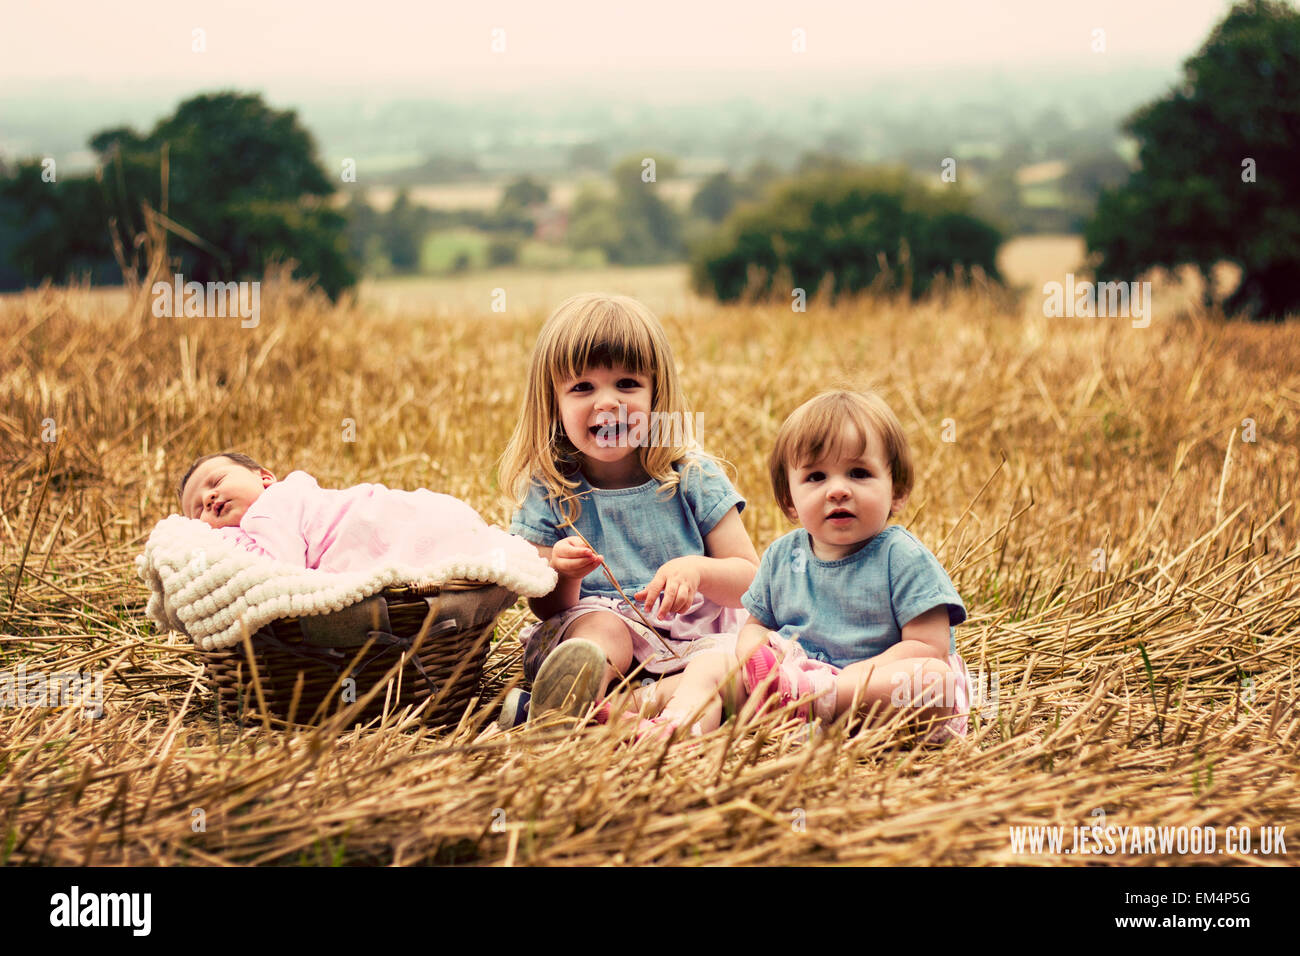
(504, 251)
(363, 223)
(454, 250)
(759, 177)
(593, 222)
(854, 230)
(524, 192)
(241, 176)
(1188, 204)
(399, 240)
(403, 230)
(53, 229)
(635, 226)
(716, 197)
(720, 195)
(513, 217)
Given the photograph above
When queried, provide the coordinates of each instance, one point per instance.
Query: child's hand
(677, 581)
(573, 559)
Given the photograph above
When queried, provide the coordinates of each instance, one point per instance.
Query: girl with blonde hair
(604, 466)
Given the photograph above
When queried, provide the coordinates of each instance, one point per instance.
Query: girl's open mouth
(840, 516)
(611, 433)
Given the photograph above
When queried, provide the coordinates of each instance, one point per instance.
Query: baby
(352, 529)
(846, 608)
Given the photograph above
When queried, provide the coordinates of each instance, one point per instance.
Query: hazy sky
(352, 43)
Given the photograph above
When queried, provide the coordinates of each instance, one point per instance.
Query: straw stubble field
(1129, 562)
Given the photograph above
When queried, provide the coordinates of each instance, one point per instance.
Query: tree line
(237, 185)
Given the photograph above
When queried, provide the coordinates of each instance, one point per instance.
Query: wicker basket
(302, 662)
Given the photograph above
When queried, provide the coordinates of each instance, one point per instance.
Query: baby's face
(844, 503)
(220, 491)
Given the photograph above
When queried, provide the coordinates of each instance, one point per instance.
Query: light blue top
(636, 530)
(851, 609)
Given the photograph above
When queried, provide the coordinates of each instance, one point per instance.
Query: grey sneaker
(570, 680)
(514, 709)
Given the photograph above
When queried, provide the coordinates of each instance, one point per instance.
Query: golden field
(1128, 554)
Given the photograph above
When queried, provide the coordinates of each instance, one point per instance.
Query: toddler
(605, 449)
(847, 608)
(351, 529)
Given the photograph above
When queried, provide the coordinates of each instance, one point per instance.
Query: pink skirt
(661, 650)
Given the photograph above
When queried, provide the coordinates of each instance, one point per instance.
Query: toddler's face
(589, 410)
(220, 491)
(846, 502)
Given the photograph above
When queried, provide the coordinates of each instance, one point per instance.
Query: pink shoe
(802, 687)
(790, 684)
(760, 664)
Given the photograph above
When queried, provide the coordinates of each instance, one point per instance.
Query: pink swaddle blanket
(352, 529)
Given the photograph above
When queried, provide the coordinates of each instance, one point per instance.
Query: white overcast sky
(109, 44)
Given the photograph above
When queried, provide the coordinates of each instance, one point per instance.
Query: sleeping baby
(349, 529)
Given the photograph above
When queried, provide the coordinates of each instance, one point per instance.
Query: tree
(853, 230)
(761, 175)
(403, 229)
(53, 229)
(243, 187)
(364, 245)
(716, 197)
(634, 226)
(1217, 178)
(652, 229)
(513, 218)
(244, 178)
(593, 222)
(524, 191)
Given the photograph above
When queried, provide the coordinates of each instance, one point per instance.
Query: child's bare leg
(643, 696)
(748, 641)
(606, 630)
(924, 685)
(648, 697)
(698, 696)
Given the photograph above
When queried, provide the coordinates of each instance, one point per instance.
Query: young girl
(847, 609)
(337, 530)
(605, 449)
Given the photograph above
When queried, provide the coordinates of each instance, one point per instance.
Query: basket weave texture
(300, 664)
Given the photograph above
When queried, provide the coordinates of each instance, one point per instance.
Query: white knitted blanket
(211, 589)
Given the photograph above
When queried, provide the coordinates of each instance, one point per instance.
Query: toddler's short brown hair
(815, 430)
(236, 457)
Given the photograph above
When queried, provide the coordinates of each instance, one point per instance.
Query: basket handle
(404, 643)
